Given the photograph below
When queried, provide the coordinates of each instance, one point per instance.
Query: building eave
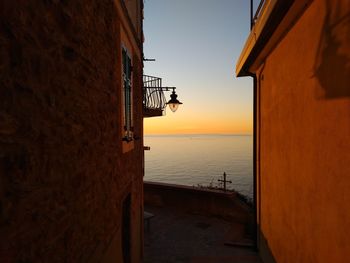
(275, 19)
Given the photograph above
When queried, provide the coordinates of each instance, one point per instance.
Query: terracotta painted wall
(63, 173)
(304, 139)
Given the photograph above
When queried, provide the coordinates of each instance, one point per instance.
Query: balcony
(154, 101)
(272, 19)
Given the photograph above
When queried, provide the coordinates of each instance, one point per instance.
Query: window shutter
(127, 90)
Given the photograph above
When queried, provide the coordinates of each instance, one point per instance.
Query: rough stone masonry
(62, 171)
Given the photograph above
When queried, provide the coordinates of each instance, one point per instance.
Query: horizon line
(191, 134)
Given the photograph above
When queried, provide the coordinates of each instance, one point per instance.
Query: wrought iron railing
(153, 95)
(257, 12)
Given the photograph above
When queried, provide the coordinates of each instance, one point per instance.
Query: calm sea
(200, 160)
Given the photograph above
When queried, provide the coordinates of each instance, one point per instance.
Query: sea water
(200, 160)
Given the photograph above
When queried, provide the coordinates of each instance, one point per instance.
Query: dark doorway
(126, 229)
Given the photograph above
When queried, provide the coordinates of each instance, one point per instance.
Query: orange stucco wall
(304, 138)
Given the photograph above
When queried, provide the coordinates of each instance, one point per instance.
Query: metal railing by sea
(254, 16)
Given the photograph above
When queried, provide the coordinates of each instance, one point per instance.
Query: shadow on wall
(332, 67)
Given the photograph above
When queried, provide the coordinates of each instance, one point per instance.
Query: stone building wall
(63, 174)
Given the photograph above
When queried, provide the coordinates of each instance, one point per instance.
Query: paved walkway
(176, 237)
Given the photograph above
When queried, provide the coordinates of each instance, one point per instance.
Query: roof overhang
(275, 20)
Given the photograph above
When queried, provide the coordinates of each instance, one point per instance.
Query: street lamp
(154, 101)
(173, 102)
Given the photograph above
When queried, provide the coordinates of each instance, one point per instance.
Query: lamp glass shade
(173, 106)
(173, 102)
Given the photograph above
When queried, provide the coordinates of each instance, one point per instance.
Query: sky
(196, 44)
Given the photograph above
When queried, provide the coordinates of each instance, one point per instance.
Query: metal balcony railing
(153, 96)
(254, 18)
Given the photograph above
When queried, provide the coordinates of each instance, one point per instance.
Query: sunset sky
(196, 44)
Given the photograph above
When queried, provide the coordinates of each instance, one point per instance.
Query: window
(127, 97)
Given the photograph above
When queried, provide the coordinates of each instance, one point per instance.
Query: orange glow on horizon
(194, 117)
(163, 125)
